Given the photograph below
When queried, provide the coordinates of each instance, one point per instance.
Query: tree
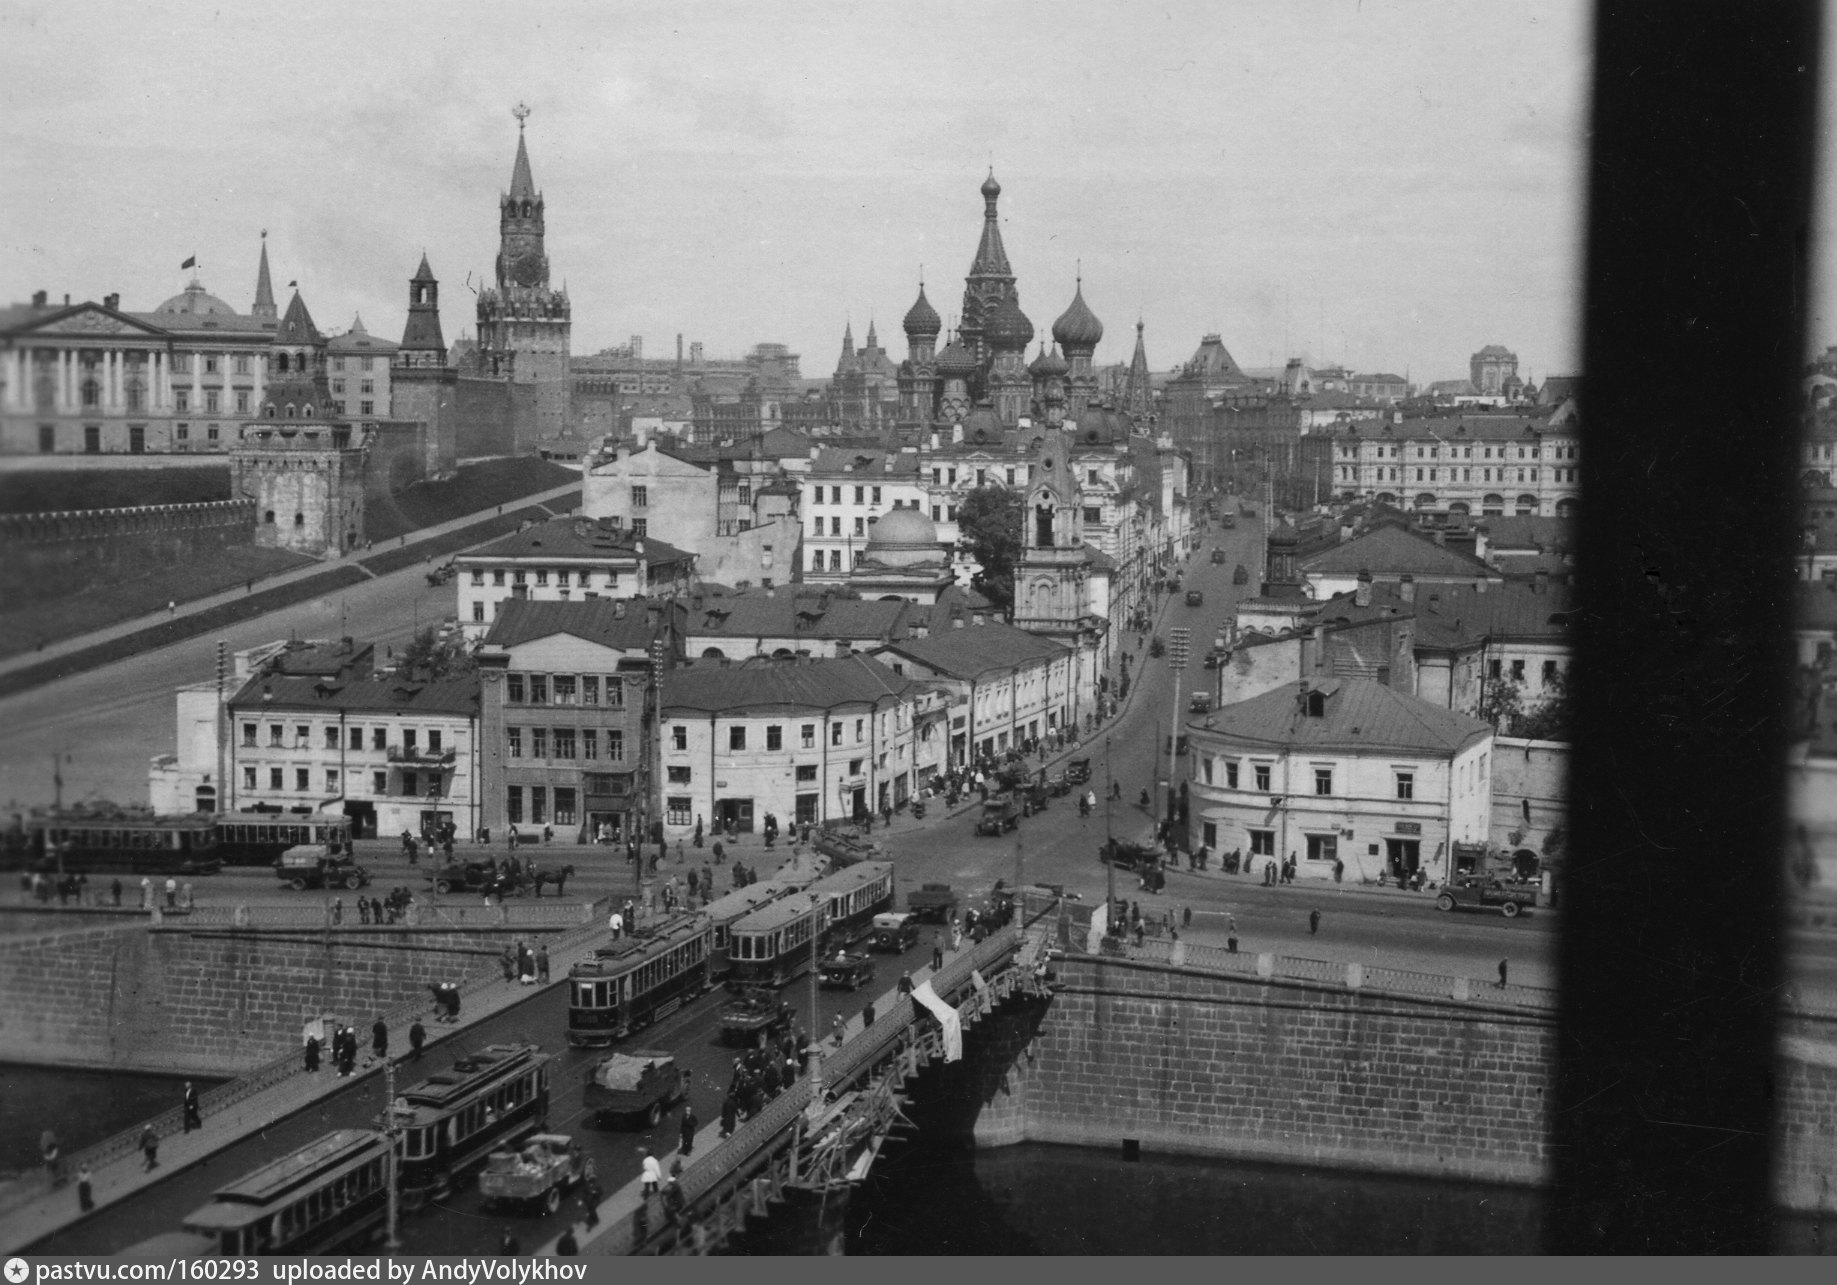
(440, 659)
(1501, 704)
(989, 526)
(1550, 721)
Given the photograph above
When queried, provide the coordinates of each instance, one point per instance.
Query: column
(66, 383)
(111, 384)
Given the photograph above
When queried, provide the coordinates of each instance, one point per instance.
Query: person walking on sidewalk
(689, 1124)
(1502, 970)
(652, 1172)
(1313, 923)
(379, 1038)
(312, 1054)
(417, 1036)
(86, 1198)
(193, 1118)
(542, 963)
(149, 1147)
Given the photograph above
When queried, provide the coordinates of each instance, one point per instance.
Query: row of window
(1495, 669)
(605, 691)
(861, 494)
(806, 772)
(540, 576)
(302, 736)
(1404, 781)
(680, 809)
(774, 735)
(1350, 473)
(564, 743)
(1351, 452)
(567, 805)
(411, 782)
(364, 386)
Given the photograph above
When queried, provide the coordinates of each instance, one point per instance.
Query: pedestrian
(1186, 916)
(905, 983)
(350, 1052)
(937, 952)
(542, 962)
(730, 1114)
(617, 924)
(590, 1200)
(48, 1149)
(312, 1054)
(363, 911)
(337, 911)
(689, 1123)
(379, 1038)
(720, 853)
(193, 1120)
(838, 1029)
(172, 893)
(1502, 968)
(149, 1147)
(1313, 922)
(567, 1246)
(548, 835)
(114, 892)
(417, 1036)
(86, 1200)
(867, 1016)
(652, 1172)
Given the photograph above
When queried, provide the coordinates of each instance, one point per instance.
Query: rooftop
(779, 684)
(1356, 714)
(610, 622)
(755, 615)
(392, 693)
(974, 650)
(576, 538)
(1390, 551)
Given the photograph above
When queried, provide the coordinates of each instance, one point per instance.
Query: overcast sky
(1387, 185)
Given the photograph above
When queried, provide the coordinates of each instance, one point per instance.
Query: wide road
(111, 721)
(460, 1225)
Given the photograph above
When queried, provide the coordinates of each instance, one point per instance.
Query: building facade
(565, 560)
(1007, 686)
(1475, 464)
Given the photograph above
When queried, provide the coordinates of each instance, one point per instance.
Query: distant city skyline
(1391, 187)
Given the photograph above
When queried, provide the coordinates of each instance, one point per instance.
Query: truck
(847, 847)
(999, 815)
(639, 1085)
(846, 971)
(1142, 859)
(931, 903)
(755, 1018)
(312, 865)
(472, 876)
(1482, 892)
(534, 1176)
(1078, 771)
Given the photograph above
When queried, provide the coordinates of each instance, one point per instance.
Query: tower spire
(264, 286)
(522, 186)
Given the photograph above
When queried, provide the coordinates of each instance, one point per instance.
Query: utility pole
(653, 710)
(1179, 642)
(223, 731)
(1109, 845)
(391, 1136)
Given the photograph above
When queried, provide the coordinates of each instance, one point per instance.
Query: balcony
(423, 757)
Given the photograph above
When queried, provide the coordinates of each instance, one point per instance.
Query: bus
(451, 1121)
(259, 838)
(854, 896)
(793, 876)
(331, 1194)
(638, 979)
(91, 839)
(773, 944)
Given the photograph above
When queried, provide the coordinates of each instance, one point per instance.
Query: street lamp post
(1109, 845)
(1179, 643)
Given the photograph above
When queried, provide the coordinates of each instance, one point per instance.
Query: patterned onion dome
(1007, 328)
(922, 319)
(1048, 364)
(1285, 536)
(981, 425)
(1078, 327)
(956, 359)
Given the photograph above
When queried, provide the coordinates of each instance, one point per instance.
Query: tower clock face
(527, 269)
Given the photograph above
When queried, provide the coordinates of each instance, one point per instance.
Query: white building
(1008, 686)
(801, 741)
(843, 495)
(1340, 772)
(1477, 464)
(565, 560)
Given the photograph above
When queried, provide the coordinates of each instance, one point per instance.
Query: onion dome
(990, 188)
(922, 319)
(956, 359)
(1078, 327)
(1284, 536)
(1007, 328)
(981, 425)
(1049, 365)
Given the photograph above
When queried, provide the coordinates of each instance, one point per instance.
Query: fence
(421, 915)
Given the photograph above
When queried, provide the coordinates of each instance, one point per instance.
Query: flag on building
(192, 262)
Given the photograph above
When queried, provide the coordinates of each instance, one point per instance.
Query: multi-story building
(1343, 775)
(843, 494)
(1474, 463)
(358, 364)
(565, 692)
(314, 728)
(800, 741)
(565, 560)
(1008, 686)
(1493, 371)
(810, 623)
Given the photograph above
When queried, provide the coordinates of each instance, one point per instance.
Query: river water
(81, 1107)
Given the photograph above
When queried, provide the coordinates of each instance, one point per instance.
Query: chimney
(346, 645)
(1407, 587)
(1362, 596)
(1540, 583)
(679, 350)
(112, 302)
(39, 299)
(886, 464)
(66, 301)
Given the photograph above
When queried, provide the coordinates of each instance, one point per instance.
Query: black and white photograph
(1030, 629)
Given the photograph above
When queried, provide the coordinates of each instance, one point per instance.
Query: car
(1230, 522)
(1218, 557)
(999, 815)
(1078, 771)
(931, 903)
(1480, 892)
(636, 1086)
(847, 847)
(1213, 660)
(895, 931)
(1201, 703)
(1033, 798)
(845, 971)
(1194, 598)
(535, 1175)
(1059, 784)
(756, 1018)
(309, 865)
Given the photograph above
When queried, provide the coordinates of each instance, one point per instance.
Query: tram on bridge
(259, 838)
(776, 943)
(638, 979)
(854, 896)
(332, 1194)
(103, 838)
(450, 1122)
(724, 912)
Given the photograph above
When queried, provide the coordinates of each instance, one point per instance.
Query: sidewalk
(41, 1212)
(65, 647)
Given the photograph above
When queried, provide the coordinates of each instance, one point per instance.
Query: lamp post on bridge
(1179, 646)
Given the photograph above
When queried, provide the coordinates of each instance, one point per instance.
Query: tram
(854, 896)
(120, 840)
(773, 944)
(451, 1121)
(259, 838)
(638, 979)
(331, 1194)
(794, 876)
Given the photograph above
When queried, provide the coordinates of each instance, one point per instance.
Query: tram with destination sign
(773, 944)
(854, 896)
(451, 1121)
(639, 978)
(794, 876)
(330, 1195)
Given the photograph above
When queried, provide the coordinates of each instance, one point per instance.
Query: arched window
(299, 520)
(290, 409)
(280, 363)
(526, 209)
(713, 653)
(270, 410)
(308, 412)
(268, 517)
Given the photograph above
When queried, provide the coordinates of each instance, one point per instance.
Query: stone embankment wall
(1189, 1062)
(216, 1002)
(1805, 1133)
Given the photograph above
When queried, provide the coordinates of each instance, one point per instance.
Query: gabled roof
(790, 685)
(392, 693)
(77, 318)
(297, 325)
(1358, 714)
(975, 650)
(863, 466)
(1389, 550)
(614, 623)
(753, 615)
(576, 538)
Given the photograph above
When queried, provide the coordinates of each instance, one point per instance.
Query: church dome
(902, 538)
(990, 188)
(956, 359)
(1284, 536)
(196, 302)
(1078, 327)
(1007, 328)
(1048, 364)
(981, 425)
(922, 319)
